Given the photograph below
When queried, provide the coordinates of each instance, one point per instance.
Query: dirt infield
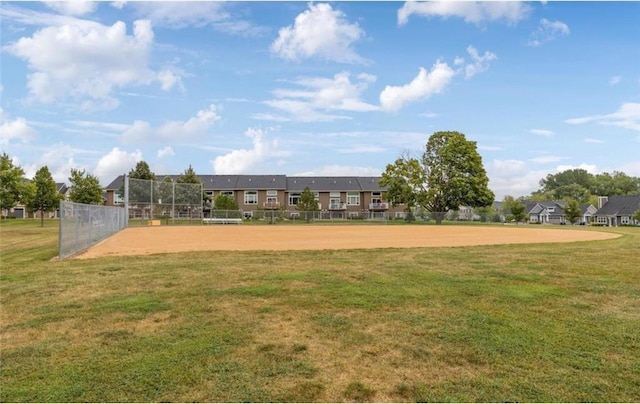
(168, 239)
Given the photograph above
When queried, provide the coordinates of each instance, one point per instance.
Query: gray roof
(535, 207)
(620, 205)
(276, 182)
(325, 184)
(61, 187)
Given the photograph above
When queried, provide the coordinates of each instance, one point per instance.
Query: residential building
(338, 197)
(550, 212)
(617, 210)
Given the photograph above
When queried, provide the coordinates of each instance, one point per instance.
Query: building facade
(338, 197)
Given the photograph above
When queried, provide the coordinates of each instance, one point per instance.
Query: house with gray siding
(617, 210)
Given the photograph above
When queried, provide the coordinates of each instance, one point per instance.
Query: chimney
(602, 200)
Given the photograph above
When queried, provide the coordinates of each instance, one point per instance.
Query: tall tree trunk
(41, 217)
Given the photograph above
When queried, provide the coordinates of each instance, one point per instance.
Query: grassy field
(537, 322)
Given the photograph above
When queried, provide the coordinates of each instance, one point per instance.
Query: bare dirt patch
(169, 239)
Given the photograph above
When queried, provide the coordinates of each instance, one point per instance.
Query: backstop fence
(82, 226)
(162, 200)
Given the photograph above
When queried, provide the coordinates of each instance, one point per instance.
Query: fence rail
(82, 226)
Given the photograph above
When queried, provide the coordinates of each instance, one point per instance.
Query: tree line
(447, 175)
(40, 194)
(576, 188)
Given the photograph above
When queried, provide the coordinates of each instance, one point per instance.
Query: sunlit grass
(542, 322)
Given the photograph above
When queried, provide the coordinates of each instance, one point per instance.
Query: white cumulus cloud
(245, 161)
(471, 12)
(422, 86)
(166, 152)
(479, 63)
(15, 129)
(548, 31)
(320, 32)
(115, 163)
(88, 62)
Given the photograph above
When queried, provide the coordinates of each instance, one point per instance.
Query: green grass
(545, 322)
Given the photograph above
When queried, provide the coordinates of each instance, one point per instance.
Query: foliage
(189, 176)
(141, 192)
(581, 185)
(12, 184)
(43, 196)
(165, 190)
(226, 202)
(307, 203)
(572, 211)
(85, 188)
(617, 183)
(183, 194)
(142, 172)
(518, 213)
(576, 176)
(636, 216)
(449, 174)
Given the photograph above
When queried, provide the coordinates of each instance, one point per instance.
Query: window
(272, 193)
(353, 198)
(625, 220)
(117, 199)
(334, 194)
(551, 210)
(294, 197)
(354, 215)
(227, 193)
(248, 214)
(376, 197)
(602, 220)
(250, 197)
(272, 199)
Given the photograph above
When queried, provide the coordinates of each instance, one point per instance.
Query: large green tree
(585, 187)
(577, 176)
(43, 196)
(143, 190)
(617, 183)
(12, 183)
(307, 203)
(572, 211)
(450, 174)
(142, 171)
(85, 188)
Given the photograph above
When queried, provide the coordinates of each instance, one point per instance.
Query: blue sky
(302, 88)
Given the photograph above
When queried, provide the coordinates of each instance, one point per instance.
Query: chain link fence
(165, 201)
(82, 226)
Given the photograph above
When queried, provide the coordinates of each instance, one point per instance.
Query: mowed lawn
(541, 322)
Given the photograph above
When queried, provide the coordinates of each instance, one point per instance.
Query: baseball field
(172, 239)
(308, 313)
